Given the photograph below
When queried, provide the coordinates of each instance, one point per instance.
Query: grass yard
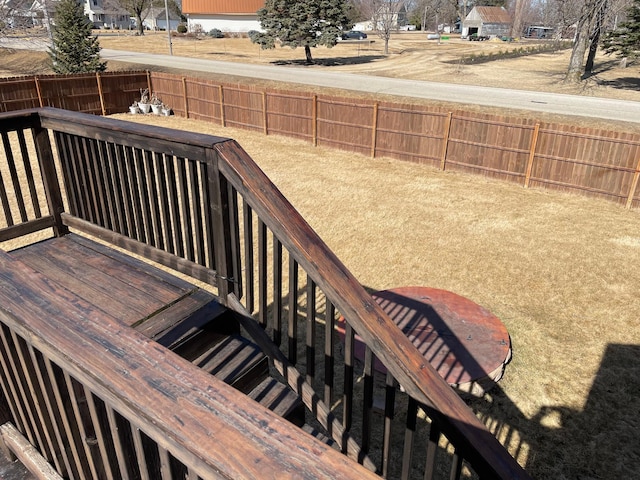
(561, 271)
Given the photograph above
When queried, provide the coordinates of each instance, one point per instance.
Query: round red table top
(463, 341)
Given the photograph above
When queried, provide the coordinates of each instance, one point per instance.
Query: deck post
(50, 180)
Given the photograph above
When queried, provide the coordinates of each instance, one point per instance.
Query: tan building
(487, 22)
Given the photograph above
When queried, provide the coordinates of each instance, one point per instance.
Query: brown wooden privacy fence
(595, 162)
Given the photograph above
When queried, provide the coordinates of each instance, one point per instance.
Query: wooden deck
(173, 312)
(85, 374)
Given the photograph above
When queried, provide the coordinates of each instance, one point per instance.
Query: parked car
(354, 35)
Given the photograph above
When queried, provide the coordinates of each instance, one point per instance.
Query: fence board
(344, 124)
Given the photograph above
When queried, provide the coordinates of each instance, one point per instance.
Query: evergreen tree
(74, 49)
(302, 23)
(625, 41)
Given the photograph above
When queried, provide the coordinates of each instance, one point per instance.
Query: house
(225, 15)
(106, 14)
(393, 14)
(157, 19)
(487, 22)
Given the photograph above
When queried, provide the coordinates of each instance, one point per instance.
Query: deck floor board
(134, 292)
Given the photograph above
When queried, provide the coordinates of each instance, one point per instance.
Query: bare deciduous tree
(384, 15)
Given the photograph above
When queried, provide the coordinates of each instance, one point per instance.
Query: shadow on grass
(598, 441)
(330, 62)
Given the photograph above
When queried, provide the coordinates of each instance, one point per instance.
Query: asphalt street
(594, 107)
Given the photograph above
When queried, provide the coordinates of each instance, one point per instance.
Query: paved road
(595, 107)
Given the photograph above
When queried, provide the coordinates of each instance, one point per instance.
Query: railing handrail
(212, 428)
(376, 329)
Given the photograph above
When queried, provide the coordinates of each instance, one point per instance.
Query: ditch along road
(553, 103)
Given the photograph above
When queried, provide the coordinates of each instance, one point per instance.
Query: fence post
(314, 120)
(374, 130)
(222, 120)
(39, 91)
(445, 141)
(634, 186)
(264, 113)
(100, 94)
(149, 81)
(532, 154)
(184, 97)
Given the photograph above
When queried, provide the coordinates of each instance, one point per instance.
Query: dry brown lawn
(561, 271)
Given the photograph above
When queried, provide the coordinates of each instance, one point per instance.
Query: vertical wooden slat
(164, 207)
(11, 386)
(223, 122)
(121, 455)
(42, 425)
(185, 208)
(407, 455)
(262, 274)
(100, 182)
(174, 207)
(196, 185)
(89, 150)
(532, 154)
(311, 331)
(445, 141)
(28, 171)
(207, 221)
(140, 455)
(456, 467)
(265, 126)
(374, 130)
(367, 400)
(165, 464)
(86, 437)
(314, 119)
(329, 355)
(138, 226)
(100, 435)
(277, 292)
(145, 219)
(185, 97)
(248, 256)
(101, 94)
(347, 401)
(14, 180)
(78, 465)
(292, 323)
(155, 230)
(432, 450)
(389, 414)
(60, 458)
(39, 90)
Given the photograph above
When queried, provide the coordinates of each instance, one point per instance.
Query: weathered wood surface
(200, 420)
(127, 289)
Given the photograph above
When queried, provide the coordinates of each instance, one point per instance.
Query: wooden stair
(217, 347)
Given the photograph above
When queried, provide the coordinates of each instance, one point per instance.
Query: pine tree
(302, 23)
(625, 40)
(74, 49)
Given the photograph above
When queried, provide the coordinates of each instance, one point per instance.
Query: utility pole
(166, 13)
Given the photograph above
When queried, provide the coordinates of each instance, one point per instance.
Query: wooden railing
(219, 219)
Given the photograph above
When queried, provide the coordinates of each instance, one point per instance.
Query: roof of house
(492, 14)
(216, 7)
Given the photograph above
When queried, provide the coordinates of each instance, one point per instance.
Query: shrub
(216, 33)
(182, 28)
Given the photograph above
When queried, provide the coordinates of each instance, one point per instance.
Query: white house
(107, 14)
(225, 15)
